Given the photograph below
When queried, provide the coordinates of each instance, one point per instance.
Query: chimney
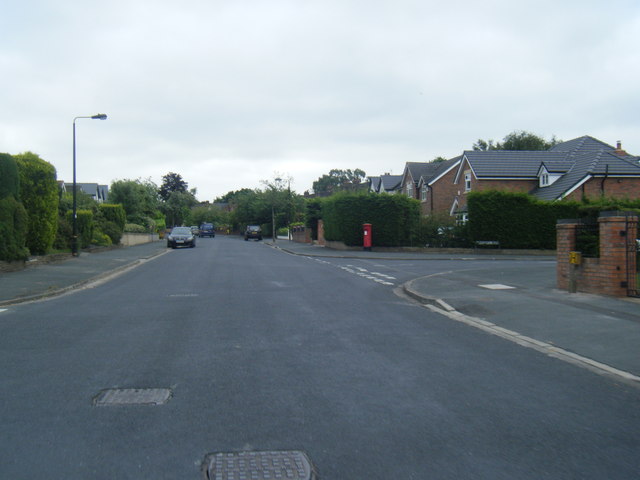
(619, 151)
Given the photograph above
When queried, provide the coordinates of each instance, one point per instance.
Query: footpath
(512, 296)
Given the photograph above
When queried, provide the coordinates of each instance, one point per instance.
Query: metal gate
(633, 258)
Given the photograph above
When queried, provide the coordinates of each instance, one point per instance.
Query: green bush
(394, 218)
(9, 177)
(85, 226)
(519, 220)
(13, 230)
(63, 233)
(111, 221)
(113, 213)
(39, 195)
(100, 239)
(134, 228)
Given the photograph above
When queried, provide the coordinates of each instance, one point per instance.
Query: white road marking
(496, 286)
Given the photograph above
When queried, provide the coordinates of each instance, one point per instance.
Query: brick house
(583, 167)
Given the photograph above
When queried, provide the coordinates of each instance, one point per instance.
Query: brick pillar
(614, 260)
(321, 240)
(565, 243)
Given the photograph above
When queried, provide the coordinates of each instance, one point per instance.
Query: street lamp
(74, 238)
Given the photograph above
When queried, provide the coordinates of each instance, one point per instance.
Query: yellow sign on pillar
(575, 258)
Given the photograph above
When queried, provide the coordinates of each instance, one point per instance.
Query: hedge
(9, 178)
(394, 218)
(13, 230)
(84, 224)
(519, 220)
(39, 195)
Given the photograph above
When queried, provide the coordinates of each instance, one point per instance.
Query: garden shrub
(85, 226)
(39, 195)
(13, 230)
(9, 177)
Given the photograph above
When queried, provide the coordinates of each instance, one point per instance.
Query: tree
(337, 180)
(39, 195)
(517, 140)
(229, 197)
(172, 182)
(177, 208)
(138, 198)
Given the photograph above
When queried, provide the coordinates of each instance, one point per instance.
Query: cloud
(228, 92)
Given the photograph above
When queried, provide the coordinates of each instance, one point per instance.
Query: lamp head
(99, 116)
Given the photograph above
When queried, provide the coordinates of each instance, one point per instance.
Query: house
(97, 192)
(385, 183)
(578, 168)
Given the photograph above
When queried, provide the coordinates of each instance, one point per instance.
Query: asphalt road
(260, 350)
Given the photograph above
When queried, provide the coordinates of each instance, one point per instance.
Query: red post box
(366, 239)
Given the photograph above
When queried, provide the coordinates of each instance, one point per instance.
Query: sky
(231, 93)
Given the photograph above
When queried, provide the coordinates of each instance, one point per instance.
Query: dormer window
(544, 180)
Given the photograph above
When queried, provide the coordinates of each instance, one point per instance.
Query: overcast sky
(231, 92)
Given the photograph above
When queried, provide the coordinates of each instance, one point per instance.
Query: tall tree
(172, 182)
(517, 140)
(139, 199)
(338, 179)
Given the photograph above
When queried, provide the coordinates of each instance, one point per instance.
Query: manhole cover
(132, 396)
(285, 465)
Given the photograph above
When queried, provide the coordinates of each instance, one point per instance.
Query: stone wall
(130, 239)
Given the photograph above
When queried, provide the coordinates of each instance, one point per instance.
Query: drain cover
(132, 396)
(285, 465)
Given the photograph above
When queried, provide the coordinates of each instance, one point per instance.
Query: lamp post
(74, 238)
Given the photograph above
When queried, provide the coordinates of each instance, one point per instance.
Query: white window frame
(409, 190)
(544, 180)
(423, 192)
(467, 181)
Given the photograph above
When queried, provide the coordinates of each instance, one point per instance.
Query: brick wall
(613, 187)
(613, 273)
(301, 234)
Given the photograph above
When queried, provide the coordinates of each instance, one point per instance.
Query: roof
(585, 166)
(574, 162)
(582, 144)
(511, 163)
(389, 183)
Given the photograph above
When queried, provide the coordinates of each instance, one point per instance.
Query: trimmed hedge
(112, 221)
(39, 195)
(85, 226)
(13, 230)
(394, 218)
(9, 178)
(519, 220)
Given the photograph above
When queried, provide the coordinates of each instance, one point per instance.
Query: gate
(633, 256)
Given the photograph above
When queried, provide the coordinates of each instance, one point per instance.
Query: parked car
(207, 230)
(195, 230)
(253, 231)
(181, 237)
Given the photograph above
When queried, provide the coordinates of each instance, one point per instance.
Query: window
(544, 179)
(423, 193)
(409, 189)
(467, 181)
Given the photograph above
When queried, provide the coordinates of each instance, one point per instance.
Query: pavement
(595, 332)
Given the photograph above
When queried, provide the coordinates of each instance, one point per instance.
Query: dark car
(181, 237)
(207, 230)
(253, 231)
